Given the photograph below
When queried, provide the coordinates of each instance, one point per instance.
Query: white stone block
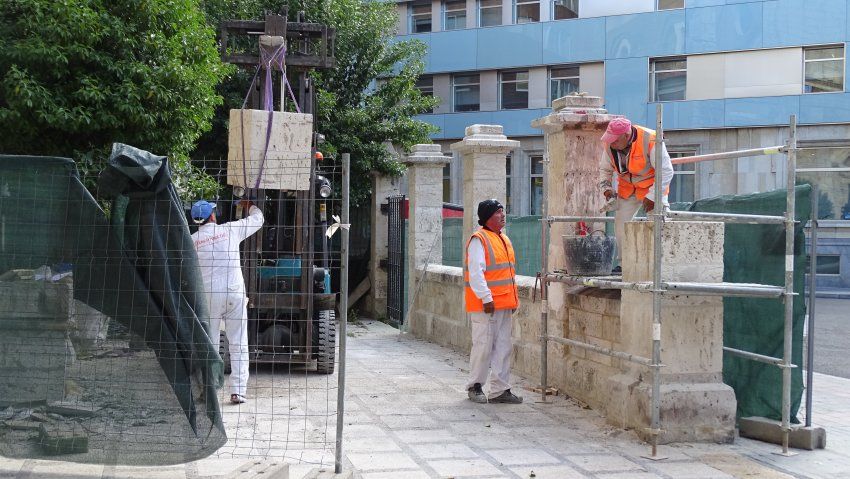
(287, 158)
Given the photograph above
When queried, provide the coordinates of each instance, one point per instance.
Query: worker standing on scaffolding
(221, 269)
(629, 155)
(491, 299)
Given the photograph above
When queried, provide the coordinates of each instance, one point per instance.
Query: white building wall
(538, 88)
(756, 73)
(443, 91)
(592, 79)
(402, 18)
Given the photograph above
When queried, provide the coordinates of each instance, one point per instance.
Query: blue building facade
(729, 73)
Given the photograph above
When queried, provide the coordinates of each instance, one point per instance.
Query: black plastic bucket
(589, 255)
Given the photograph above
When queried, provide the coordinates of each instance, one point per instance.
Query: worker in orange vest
(629, 156)
(491, 299)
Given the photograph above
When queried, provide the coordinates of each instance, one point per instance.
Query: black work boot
(476, 394)
(507, 397)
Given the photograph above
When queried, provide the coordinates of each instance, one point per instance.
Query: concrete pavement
(407, 416)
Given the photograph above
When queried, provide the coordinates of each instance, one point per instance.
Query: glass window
(526, 11)
(828, 166)
(467, 92)
(563, 9)
(562, 81)
(420, 17)
(668, 79)
(447, 182)
(425, 85)
(536, 183)
(824, 69)
(489, 13)
(454, 15)
(683, 186)
(669, 4)
(514, 90)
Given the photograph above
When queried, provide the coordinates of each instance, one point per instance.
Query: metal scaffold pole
(789, 283)
(810, 335)
(657, 224)
(343, 310)
(544, 267)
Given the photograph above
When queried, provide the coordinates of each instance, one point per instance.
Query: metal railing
(657, 287)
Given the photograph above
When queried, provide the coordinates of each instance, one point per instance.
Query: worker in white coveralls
(629, 156)
(218, 256)
(491, 299)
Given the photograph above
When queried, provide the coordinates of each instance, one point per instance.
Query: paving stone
(570, 443)
(66, 470)
(461, 414)
(363, 430)
(548, 472)
(381, 461)
(527, 419)
(217, 466)
(514, 457)
(416, 436)
(10, 467)
(604, 463)
(408, 422)
(464, 467)
(688, 470)
(499, 441)
(370, 444)
(479, 428)
(629, 475)
(443, 451)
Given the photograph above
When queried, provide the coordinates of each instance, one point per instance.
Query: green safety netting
(106, 356)
(756, 254)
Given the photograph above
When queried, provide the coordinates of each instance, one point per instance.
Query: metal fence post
(657, 224)
(343, 310)
(810, 335)
(789, 284)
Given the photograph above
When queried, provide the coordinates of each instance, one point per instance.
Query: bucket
(589, 255)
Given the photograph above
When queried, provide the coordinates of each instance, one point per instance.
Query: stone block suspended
(287, 159)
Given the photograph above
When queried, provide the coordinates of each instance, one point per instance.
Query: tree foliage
(78, 75)
(367, 102)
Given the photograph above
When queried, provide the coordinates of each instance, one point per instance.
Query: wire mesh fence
(136, 329)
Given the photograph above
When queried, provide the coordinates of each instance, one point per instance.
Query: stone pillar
(382, 187)
(572, 133)
(696, 406)
(425, 220)
(482, 151)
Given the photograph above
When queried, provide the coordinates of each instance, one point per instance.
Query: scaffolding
(658, 288)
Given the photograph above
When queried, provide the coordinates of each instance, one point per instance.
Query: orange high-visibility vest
(639, 175)
(500, 271)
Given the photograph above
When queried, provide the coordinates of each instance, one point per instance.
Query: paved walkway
(407, 417)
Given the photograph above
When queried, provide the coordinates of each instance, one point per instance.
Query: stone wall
(592, 315)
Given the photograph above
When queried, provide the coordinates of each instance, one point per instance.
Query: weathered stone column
(482, 151)
(695, 403)
(382, 187)
(572, 132)
(425, 220)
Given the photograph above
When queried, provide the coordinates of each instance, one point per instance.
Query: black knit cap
(486, 209)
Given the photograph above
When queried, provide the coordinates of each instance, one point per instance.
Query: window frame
(502, 82)
(500, 6)
(653, 72)
(446, 12)
(509, 166)
(454, 91)
(411, 23)
(531, 177)
(425, 90)
(552, 11)
(680, 151)
(551, 79)
(517, 4)
(843, 61)
(659, 9)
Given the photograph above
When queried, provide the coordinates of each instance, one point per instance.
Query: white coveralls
(221, 269)
(628, 207)
(491, 334)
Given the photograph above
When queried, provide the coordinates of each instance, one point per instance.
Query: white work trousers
(626, 209)
(491, 350)
(231, 305)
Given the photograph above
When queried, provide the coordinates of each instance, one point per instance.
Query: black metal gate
(395, 260)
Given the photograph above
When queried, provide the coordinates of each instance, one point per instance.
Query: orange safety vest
(500, 271)
(639, 175)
